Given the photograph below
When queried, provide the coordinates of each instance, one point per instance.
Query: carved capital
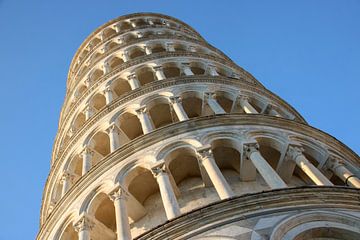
(175, 99)
(66, 176)
(132, 77)
(158, 68)
(244, 98)
(141, 110)
(83, 224)
(87, 151)
(293, 152)
(107, 90)
(112, 129)
(158, 169)
(204, 153)
(210, 95)
(334, 162)
(249, 148)
(118, 193)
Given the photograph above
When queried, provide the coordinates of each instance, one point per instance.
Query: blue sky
(307, 52)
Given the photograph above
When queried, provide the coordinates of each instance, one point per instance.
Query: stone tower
(162, 136)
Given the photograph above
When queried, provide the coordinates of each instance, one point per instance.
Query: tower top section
(123, 24)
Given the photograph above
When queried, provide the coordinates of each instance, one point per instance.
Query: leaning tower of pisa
(162, 136)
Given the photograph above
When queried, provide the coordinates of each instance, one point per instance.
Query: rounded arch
(145, 75)
(270, 145)
(192, 102)
(225, 99)
(66, 230)
(318, 224)
(120, 86)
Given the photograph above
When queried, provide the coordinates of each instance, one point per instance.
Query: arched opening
(69, 233)
(136, 52)
(227, 158)
(197, 68)
(143, 187)
(125, 26)
(184, 168)
(108, 32)
(94, 57)
(80, 91)
(96, 75)
(115, 62)
(75, 167)
(160, 114)
(192, 104)
(179, 48)
(79, 121)
(130, 37)
(98, 101)
(327, 233)
(258, 105)
(112, 45)
(224, 99)
(56, 193)
(121, 87)
(157, 48)
(270, 149)
(171, 70)
(222, 72)
(101, 143)
(93, 43)
(145, 76)
(102, 212)
(130, 125)
(140, 22)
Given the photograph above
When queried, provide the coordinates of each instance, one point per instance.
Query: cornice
(248, 206)
(76, 77)
(178, 128)
(156, 85)
(121, 18)
(95, 48)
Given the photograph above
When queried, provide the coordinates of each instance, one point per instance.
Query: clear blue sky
(307, 52)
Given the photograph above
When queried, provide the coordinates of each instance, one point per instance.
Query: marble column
(207, 160)
(144, 119)
(83, 227)
(246, 106)
(186, 70)
(106, 67)
(170, 47)
(212, 70)
(269, 109)
(159, 73)
(108, 95)
(178, 108)
(119, 197)
(133, 81)
(337, 166)
(214, 105)
(125, 56)
(168, 197)
(117, 28)
(87, 155)
(251, 152)
(295, 153)
(148, 50)
(66, 180)
(89, 112)
(113, 133)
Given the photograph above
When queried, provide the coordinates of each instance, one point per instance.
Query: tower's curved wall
(158, 125)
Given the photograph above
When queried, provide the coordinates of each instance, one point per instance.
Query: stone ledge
(253, 205)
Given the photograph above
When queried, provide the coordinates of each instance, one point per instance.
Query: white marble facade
(162, 136)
